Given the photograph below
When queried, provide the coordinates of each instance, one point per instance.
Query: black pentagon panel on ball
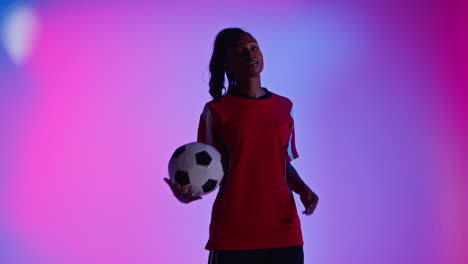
(178, 151)
(181, 177)
(203, 158)
(209, 185)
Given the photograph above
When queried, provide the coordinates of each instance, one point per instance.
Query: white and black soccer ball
(197, 165)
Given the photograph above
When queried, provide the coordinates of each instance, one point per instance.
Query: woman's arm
(294, 181)
(297, 185)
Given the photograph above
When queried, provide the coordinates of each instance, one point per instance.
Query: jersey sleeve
(291, 150)
(207, 135)
(205, 127)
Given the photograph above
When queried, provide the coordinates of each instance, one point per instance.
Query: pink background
(89, 120)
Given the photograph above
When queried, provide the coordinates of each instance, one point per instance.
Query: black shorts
(284, 255)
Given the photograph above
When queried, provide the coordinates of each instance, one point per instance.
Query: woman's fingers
(183, 189)
(194, 198)
(307, 211)
(168, 181)
(189, 195)
(310, 208)
(173, 187)
(180, 191)
(183, 192)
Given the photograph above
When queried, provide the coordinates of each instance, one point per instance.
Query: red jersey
(254, 207)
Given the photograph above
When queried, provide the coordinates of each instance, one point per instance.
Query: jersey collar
(242, 95)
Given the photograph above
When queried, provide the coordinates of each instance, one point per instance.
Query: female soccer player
(254, 217)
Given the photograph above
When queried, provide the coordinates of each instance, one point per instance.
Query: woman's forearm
(296, 184)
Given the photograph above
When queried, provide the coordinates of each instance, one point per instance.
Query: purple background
(90, 117)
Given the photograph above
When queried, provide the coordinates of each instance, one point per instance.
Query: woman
(254, 217)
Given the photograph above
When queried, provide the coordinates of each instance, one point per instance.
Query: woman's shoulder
(214, 104)
(219, 101)
(282, 99)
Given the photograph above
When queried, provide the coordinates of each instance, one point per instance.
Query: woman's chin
(252, 74)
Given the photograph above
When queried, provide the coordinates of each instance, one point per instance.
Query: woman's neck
(250, 87)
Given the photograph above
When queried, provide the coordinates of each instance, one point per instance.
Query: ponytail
(224, 38)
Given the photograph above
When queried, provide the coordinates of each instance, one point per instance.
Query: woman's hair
(224, 38)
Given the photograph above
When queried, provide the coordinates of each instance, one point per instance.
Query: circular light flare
(19, 31)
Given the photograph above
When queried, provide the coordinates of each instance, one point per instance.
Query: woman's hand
(180, 192)
(310, 200)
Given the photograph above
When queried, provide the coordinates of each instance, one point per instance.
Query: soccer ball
(197, 165)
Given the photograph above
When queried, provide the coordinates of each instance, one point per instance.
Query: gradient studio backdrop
(94, 98)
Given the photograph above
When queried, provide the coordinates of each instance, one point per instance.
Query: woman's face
(244, 58)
